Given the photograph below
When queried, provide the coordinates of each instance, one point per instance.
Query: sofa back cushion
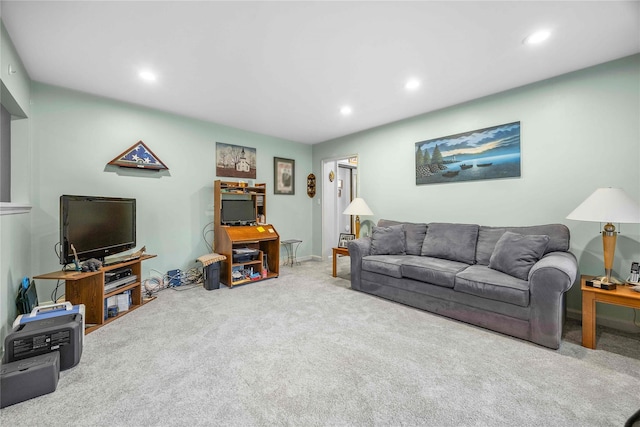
(413, 233)
(388, 240)
(455, 242)
(489, 236)
(516, 253)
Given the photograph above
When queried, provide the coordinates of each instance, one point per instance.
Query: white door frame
(330, 212)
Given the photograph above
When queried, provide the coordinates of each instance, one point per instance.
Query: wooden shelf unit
(88, 288)
(263, 238)
(236, 191)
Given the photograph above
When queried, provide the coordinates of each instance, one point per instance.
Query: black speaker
(28, 378)
(211, 275)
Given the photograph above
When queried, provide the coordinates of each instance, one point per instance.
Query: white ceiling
(286, 68)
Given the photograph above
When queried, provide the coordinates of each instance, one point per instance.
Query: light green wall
(75, 135)
(579, 131)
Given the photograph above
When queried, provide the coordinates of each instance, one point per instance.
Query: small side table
(336, 252)
(291, 246)
(621, 295)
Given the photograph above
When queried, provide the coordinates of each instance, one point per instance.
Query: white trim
(8, 208)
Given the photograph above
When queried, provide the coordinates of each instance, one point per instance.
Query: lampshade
(358, 207)
(607, 205)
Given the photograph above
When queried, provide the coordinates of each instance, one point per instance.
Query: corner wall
(579, 131)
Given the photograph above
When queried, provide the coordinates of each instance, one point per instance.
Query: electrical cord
(205, 232)
(152, 285)
(190, 279)
(54, 293)
(156, 283)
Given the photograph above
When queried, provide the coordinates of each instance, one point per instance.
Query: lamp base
(609, 237)
(612, 279)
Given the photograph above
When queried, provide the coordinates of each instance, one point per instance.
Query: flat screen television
(238, 212)
(96, 226)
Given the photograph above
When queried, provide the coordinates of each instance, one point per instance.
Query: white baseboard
(610, 322)
(302, 258)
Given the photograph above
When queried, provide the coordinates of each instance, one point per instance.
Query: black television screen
(238, 212)
(96, 226)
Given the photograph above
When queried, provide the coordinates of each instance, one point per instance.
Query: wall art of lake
(493, 167)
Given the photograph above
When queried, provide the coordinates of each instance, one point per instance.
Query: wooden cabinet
(262, 238)
(88, 288)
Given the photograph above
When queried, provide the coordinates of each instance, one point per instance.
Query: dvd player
(118, 274)
(108, 287)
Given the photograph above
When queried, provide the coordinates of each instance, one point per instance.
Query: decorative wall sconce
(311, 185)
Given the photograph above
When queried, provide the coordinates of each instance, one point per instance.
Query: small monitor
(238, 212)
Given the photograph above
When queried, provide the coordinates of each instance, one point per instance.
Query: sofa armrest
(556, 269)
(358, 249)
(549, 279)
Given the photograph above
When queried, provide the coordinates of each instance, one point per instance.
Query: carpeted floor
(304, 349)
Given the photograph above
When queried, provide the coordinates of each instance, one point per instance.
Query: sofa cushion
(515, 254)
(455, 242)
(387, 240)
(414, 235)
(389, 265)
(482, 281)
(489, 236)
(413, 232)
(435, 271)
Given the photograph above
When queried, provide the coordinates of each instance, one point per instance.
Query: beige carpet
(304, 350)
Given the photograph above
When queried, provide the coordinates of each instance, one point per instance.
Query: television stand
(88, 288)
(119, 260)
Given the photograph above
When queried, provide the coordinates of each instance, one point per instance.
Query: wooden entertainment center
(88, 288)
(260, 238)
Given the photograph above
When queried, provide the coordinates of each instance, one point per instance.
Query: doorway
(339, 187)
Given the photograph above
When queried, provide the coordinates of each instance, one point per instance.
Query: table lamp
(357, 207)
(608, 205)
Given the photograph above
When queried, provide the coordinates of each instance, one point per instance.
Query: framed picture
(344, 239)
(489, 153)
(235, 161)
(284, 174)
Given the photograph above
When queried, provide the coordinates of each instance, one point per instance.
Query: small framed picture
(344, 239)
(284, 173)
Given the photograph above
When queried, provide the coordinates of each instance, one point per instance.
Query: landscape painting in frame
(235, 161)
(489, 153)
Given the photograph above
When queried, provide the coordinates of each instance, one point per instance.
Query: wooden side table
(622, 295)
(340, 251)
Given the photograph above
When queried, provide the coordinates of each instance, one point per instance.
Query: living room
(579, 130)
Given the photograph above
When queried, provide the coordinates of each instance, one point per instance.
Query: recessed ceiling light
(147, 76)
(412, 84)
(537, 37)
(346, 110)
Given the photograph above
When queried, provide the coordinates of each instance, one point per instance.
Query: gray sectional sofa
(507, 279)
